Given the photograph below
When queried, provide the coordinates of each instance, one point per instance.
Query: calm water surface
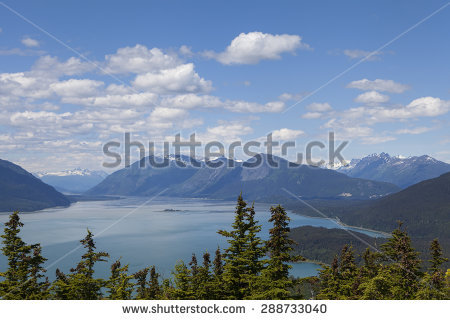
(143, 233)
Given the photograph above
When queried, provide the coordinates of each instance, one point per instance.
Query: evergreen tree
(155, 290)
(371, 265)
(234, 263)
(275, 282)
(253, 255)
(342, 279)
(329, 281)
(60, 288)
(404, 270)
(142, 290)
(432, 285)
(379, 287)
(182, 282)
(23, 278)
(218, 264)
(119, 284)
(437, 259)
(368, 271)
(217, 277)
(194, 275)
(81, 284)
(167, 290)
(447, 284)
(348, 271)
(205, 289)
(242, 257)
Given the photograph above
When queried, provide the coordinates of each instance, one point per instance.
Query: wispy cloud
(418, 130)
(377, 139)
(378, 85)
(358, 54)
(21, 52)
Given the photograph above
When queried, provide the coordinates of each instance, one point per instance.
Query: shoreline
(345, 226)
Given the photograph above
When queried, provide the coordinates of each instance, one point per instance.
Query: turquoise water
(143, 231)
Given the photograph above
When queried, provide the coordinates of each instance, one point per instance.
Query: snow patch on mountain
(400, 170)
(72, 172)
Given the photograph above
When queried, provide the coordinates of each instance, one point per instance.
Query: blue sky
(224, 70)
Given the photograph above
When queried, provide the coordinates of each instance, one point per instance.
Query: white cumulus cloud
(252, 47)
(76, 87)
(139, 59)
(312, 115)
(286, 134)
(181, 79)
(164, 114)
(371, 97)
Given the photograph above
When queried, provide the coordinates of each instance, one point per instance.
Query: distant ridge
(401, 171)
(72, 181)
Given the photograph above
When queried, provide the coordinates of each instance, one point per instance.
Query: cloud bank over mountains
(60, 105)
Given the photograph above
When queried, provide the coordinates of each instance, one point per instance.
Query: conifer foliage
(249, 268)
(242, 259)
(275, 281)
(81, 284)
(24, 278)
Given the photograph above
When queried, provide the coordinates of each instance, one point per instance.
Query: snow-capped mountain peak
(72, 181)
(400, 170)
(72, 172)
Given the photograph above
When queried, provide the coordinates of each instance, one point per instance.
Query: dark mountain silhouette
(20, 190)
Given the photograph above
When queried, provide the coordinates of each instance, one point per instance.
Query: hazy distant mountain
(20, 190)
(75, 181)
(400, 171)
(260, 183)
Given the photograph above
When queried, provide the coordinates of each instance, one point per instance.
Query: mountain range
(401, 171)
(20, 190)
(262, 182)
(72, 181)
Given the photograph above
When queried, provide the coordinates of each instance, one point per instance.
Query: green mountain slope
(322, 244)
(423, 207)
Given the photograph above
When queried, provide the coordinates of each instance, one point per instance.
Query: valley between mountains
(374, 192)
